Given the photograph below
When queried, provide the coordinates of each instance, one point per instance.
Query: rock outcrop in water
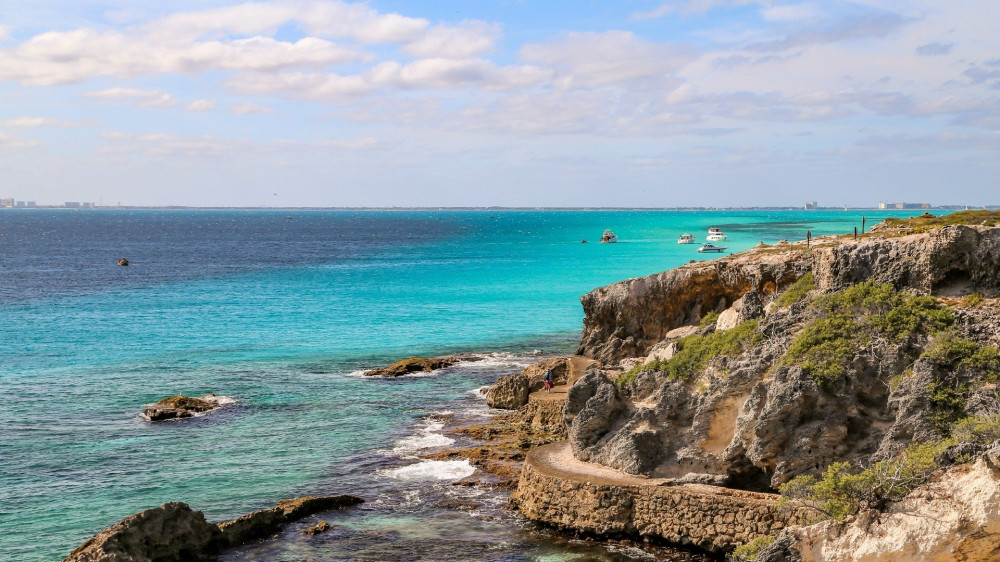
(177, 407)
(412, 365)
(845, 352)
(174, 532)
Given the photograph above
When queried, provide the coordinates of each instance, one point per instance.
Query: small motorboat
(715, 235)
(609, 237)
(686, 239)
(708, 248)
(123, 262)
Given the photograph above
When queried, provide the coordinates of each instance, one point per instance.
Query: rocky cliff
(627, 318)
(750, 371)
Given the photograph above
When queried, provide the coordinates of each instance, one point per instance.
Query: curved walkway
(560, 490)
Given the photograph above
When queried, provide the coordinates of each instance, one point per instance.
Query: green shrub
(973, 300)
(980, 430)
(947, 400)
(851, 319)
(694, 353)
(841, 491)
(750, 550)
(824, 349)
(965, 356)
(796, 290)
(708, 319)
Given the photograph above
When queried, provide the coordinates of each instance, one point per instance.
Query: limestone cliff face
(627, 318)
(956, 517)
(950, 259)
(752, 419)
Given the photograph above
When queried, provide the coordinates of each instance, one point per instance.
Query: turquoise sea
(280, 310)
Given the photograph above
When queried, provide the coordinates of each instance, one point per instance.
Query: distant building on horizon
(7, 202)
(901, 205)
(810, 205)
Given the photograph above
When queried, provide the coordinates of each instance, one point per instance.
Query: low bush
(843, 491)
(965, 357)
(750, 550)
(849, 321)
(694, 353)
(796, 290)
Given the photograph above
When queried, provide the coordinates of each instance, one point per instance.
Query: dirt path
(577, 366)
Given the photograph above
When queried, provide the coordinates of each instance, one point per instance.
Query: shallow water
(279, 310)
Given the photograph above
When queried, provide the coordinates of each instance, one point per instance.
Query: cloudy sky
(506, 102)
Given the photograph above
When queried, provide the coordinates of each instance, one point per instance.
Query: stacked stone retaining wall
(708, 517)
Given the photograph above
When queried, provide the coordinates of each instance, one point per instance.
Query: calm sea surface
(280, 310)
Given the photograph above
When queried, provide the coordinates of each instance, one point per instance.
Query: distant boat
(708, 248)
(123, 262)
(715, 235)
(609, 237)
(686, 239)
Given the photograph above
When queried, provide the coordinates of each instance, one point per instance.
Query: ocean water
(280, 310)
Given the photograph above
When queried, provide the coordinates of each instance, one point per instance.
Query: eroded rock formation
(627, 318)
(412, 365)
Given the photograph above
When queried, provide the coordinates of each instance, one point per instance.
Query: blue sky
(521, 103)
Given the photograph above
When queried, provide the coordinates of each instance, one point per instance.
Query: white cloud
(200, 105)
(469, 39)
(146, 98)
(599, 59)
(25, 121)
(693, 7)
(250, 109)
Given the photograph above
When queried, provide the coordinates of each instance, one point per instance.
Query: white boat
(708, 248)
(715, 235)
(609, 237)
(686, 239)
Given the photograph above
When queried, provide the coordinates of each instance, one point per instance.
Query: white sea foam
(433, 470)
(220, 400)
(426, 438)
(480, 392)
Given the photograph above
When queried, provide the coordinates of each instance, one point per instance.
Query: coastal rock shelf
(559, 490)
(173, 532)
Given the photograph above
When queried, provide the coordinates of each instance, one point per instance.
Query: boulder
(171, 532)
(592, 404)
(510, 392)
(412, 365)
(180, 406)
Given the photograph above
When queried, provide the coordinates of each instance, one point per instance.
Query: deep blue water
(279, 310)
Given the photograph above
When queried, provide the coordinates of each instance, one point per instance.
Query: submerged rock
(180, 406)
(320, 527)
(263, 523)
(413, 365)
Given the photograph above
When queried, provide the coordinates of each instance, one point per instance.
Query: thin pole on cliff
(862, 224)
(855, 233)
(809, 237)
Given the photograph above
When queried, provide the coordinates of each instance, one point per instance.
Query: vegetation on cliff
(861, 318)
(693, 353)
(927, 221)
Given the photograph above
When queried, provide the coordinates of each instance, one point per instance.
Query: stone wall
(708, 517)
